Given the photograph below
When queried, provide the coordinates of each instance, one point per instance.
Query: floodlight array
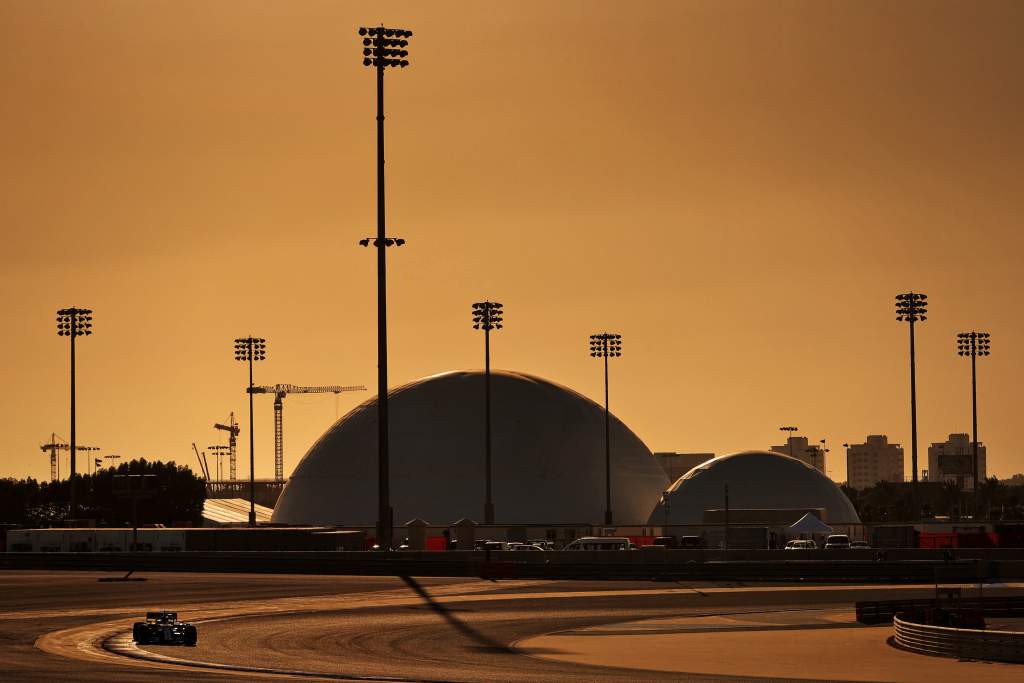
(385, 47)
(487, 315)
(74, 322)
(911, 307)
(606, 345)
(250, 349)
(388, 241)
(973, 344)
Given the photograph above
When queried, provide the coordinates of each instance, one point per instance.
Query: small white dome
(758, 480)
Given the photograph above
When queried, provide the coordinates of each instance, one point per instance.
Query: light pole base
(252, 518)
(608, 517)
(385, 529)
(489, 512)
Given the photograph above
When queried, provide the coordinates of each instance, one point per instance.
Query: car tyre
(139, 634)
(191, 636)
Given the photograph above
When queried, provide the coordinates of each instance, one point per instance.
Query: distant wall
(178, 540)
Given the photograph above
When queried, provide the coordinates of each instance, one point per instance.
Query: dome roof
(757, 480)
(547, 458)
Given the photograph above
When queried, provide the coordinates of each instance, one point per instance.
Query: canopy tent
(232, 512)
(809, 524)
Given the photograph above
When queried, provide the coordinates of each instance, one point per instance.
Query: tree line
(892, 502)
(174, 494)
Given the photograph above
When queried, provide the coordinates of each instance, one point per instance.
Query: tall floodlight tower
(383, 48)
(73, 323)
(606, 345)
(911, 308)
(487, 316)
(250, 349)
(974, 344)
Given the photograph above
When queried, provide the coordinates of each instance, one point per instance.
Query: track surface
(33, 604)
(828, 643)
(53, 625)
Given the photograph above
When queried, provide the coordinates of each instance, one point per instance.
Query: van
(600, 543)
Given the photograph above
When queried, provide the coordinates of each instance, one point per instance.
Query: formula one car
(163, 628)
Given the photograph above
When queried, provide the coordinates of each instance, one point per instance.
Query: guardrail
(961, 643)
(607, 565)
(884, 611)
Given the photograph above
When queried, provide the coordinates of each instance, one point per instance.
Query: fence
(884, 611)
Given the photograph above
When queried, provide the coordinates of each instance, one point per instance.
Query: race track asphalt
(63, 625)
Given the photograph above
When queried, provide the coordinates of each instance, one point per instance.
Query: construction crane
(57, 443)
(204, 467)
(232, 429)
(279, 391)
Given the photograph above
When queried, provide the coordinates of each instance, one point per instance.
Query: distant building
(678, 464)
(952, 461)
(799, 448)
(873, 461)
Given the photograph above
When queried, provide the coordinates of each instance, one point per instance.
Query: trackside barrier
(884, 611)
(600, 565)
(961, 643)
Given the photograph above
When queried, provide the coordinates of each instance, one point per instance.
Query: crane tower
(56, 444)
(233, 430)
(279, 391)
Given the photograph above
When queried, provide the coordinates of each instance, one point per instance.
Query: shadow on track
(483, 643)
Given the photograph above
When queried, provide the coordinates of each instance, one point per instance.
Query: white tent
(232, 512)
(809, 524)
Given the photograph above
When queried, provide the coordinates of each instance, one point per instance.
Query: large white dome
(757, 480)
(547, 458)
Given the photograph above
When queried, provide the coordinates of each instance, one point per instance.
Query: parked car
(691, 541)
(802, 544)
(523, 546)
(600, 543)
(837, 542)
(493, 545)
(665, 542)
(860, 545)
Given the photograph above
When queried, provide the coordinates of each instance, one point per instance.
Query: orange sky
(738, 188)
